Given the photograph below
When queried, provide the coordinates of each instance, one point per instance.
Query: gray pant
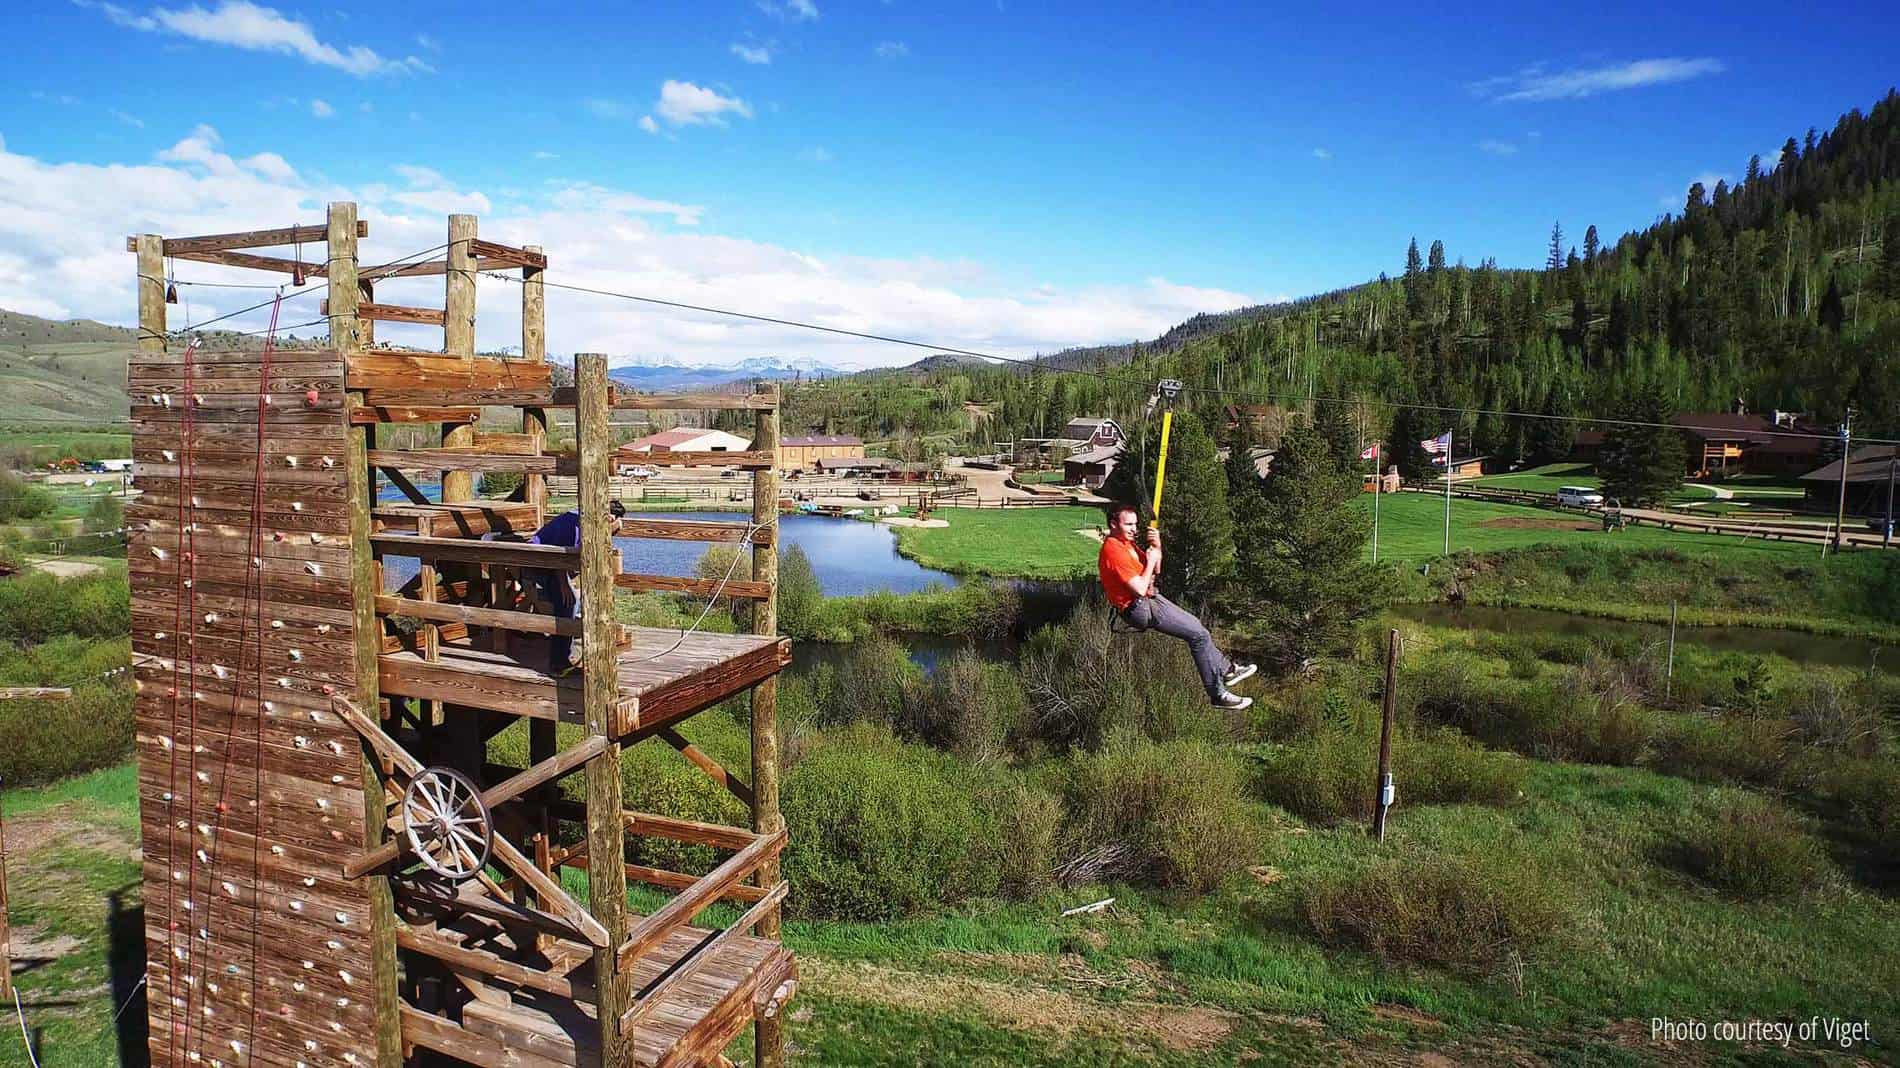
(1159, 613)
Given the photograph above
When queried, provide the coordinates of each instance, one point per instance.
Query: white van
(1579, 497)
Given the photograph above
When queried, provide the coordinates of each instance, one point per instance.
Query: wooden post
(151, 250)
(366, 634)
(458, 339)
(768, 1033)
(1388, 709)
(6, 958)
(1847, 449)
(606, 833)
(1669, 672)
(534, 347)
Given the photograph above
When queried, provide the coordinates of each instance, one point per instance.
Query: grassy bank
(1037, 543)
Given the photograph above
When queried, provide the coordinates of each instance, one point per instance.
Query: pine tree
(1403, 448)
(1550, 439)
(1555, 261)
(1303, 580)
(1414, 283)
(1642, 464)
(1333, 420)
(1833, 311)
(1890, 258)
(1591, 245)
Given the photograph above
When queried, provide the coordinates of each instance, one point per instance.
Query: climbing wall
(250, 787)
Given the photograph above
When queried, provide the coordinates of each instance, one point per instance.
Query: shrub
(37, 606)
(876, 681)
(1869, 789)
(1085, 683)
(1548, 719)
(1165, 812)
(1746, 845)
(41, 741)
(105, 513)
(500, 483)
(1737, 749)
(1454, 912)
(880, 828)
(1827, 714)
(1330, 775)
(970, 707)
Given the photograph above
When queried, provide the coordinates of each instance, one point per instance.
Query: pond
(1798, 646)
(849, 556)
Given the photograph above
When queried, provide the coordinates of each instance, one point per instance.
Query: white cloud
(420, 177)
(817, 154)
(1322, 153)
(1492, 147)
(321, 109)
(62, 255)
(544, 154)
(757, 54)
(686, 104)
(790, 10)
(1538, 83)
(245, 25)
(891, 50)
(647, 124)
(130, 120)
(425, 41)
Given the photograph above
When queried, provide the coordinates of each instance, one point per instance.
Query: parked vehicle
(1579, 497)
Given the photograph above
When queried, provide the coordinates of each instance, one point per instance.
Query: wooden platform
(659, 685)
(691, 1022)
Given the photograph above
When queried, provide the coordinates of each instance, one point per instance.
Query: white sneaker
(1238, 673)
(1232, 702)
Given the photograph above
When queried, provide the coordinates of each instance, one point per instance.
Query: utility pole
(1886, 532)
(1840, 512)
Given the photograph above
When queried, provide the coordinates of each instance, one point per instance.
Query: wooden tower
(335, 872)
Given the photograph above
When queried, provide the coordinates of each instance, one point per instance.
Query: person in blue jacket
(557, 587)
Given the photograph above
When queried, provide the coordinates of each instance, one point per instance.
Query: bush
(1453, 912)
(1549, 719)
(41, 741)
(1085, 683)
(1169, 813)
(1869, 790)
(876, 682)
(105, 513)
(500, 483)
(20, 499)
(37, 606)
(1736, 749)
(1330, 775)
(970, 707)
(1842, 718)
(880, 829)
(1741, 843)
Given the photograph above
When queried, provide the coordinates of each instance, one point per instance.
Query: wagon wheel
(447, 823)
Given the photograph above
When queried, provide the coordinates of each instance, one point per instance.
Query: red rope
(180, 584)
(254, 573)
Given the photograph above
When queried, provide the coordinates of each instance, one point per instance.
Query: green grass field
(1038, 543)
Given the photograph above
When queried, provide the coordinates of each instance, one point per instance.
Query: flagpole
(1378, 485)
(1448, 444)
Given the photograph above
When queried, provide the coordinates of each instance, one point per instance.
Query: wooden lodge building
(336, 874)
(801, 452)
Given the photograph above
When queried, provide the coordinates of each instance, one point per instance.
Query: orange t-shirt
(1119, 562)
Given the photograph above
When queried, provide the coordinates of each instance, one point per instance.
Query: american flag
(1439, 447)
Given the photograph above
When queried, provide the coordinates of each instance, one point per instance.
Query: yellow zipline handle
(1161, 465)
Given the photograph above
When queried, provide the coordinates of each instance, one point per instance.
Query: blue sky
(1005, 174)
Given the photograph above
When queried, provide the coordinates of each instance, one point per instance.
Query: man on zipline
(1129, 575)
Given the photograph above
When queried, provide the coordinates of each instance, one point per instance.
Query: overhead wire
(1113, 377)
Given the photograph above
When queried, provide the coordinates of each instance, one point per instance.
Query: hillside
(62, 372)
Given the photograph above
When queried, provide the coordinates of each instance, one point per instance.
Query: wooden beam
(486, 963)
(713, 769)
(433, 1032)
(686, 905)
(52, 693)
(394, 313)
(679, 880)
(436, 611)
(768, 1032)
(692, 832)
(637, 526)
(314, 233)
(400, 269)
(695, 401)
(697, 586)
(480, 377)
(151, 289)
(471, 551)
(498, 254)
(366, 412)
(461, 460)
(365, 633)
(606, 840)
(686, 967)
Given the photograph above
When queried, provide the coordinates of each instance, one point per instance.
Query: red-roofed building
(685, 439)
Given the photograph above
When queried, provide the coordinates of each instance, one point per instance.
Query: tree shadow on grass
(125, 966)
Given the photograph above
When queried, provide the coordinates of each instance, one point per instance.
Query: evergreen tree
(1403, 448)
(1832, 312)
(1333, 420)
(1549, 440)
(1591, 246)
(1303, 578)
(1890, 258)
(1642, 464)
(1554, 262)
(1414, 283)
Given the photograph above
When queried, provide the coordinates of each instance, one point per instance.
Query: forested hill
(1782, 291)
